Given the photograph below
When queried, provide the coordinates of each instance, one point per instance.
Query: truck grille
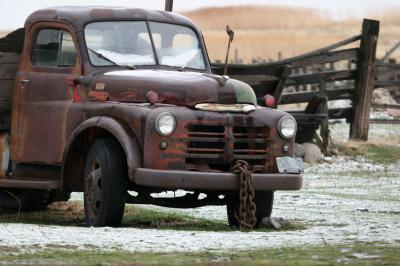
(219, 146)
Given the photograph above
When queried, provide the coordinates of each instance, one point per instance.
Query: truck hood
(172, 87)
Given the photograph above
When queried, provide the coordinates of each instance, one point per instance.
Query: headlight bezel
(280, 131)
(157, 124)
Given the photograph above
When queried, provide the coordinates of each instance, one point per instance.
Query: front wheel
(264, 201)
(104, 184)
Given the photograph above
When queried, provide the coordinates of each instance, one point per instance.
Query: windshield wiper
(102, 56)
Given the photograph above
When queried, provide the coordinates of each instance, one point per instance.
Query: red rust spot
(99, 95)
(76, 97)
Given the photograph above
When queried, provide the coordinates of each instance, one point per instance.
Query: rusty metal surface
(55, 109)
(210, 141)
(208, 181)
(79, 16)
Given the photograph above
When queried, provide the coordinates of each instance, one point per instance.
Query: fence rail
(307, 79)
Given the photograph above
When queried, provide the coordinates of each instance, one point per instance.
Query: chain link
(247, 208)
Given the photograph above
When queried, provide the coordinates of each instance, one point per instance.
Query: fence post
(365, 80)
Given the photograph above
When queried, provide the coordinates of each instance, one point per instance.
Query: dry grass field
(263, 31)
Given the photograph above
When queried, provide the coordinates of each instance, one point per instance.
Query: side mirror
(231, 35)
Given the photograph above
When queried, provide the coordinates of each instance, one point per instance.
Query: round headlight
(287, 127)
(165, 124)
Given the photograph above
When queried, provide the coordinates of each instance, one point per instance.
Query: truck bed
(10, 51)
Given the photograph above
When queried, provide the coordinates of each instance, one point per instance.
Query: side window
(54, 48)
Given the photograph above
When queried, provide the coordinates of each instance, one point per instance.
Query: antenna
(231, 34)
(169, 4)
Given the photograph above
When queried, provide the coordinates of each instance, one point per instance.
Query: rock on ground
(382, 96)
(312, 153)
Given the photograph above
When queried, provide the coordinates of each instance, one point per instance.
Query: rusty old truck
(121, 104)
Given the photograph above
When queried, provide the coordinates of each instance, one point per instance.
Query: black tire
(24, 199)
(105, 184)
(264, 201)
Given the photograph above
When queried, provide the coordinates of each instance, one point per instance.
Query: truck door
(50, 59)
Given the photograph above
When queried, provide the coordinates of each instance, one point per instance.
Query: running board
(29, 184)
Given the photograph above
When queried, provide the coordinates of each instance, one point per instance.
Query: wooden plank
(255, 79)
(8, 71)
(386, 83)
(365, 81)
(321, 50)
(329, 57)
(276, 68)
(5, 105)
(339, 113)
(387, 106)
(385, 121)
(5, 122)
(301, 97)
(390, 52)
(328, 76)
(254, 69)
(6, 87)
(9, 58)
(13, 42)
(281, 85)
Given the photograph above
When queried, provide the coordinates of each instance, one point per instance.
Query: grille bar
(211, 144)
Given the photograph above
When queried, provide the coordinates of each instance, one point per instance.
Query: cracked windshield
(129, 43)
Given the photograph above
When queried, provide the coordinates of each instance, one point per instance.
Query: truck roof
(78, 16)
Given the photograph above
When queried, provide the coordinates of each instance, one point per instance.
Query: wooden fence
(327, 80)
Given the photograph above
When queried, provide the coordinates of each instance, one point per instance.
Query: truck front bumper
(167, 179)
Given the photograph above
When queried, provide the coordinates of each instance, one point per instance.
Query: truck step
(30, 184)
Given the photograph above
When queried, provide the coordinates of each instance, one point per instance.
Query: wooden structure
(331, 73)
(10, 49)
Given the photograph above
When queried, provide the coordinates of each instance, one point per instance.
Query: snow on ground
(340, 130)
(343, 201)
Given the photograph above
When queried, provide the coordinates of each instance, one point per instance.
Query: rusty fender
(121, 132)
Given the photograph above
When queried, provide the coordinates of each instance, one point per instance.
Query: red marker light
(152, 97)
(269, 100)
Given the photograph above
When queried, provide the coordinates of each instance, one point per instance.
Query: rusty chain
(247, 208)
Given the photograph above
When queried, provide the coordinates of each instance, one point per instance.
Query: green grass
(72, 214)
(354, 254)
(383, 154)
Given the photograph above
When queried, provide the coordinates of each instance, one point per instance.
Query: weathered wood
(386, 106)
(328, 76)
(271, 68)
(365, 80)
(8, 71)
(6, 87)
(9, 58)
(281, 85)
(385, 121)
(301, 97)
(5, 123)
(321, 50)
(13, 42)
(390, 52)
(339, 113)
(5, 105)
(386, 83)
(329, 57)
(275, 68)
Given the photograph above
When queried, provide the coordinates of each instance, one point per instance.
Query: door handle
(24, 81)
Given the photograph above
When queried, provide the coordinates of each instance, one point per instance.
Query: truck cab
(111, 101)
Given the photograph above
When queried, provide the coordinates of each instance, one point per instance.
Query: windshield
(128, 43)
